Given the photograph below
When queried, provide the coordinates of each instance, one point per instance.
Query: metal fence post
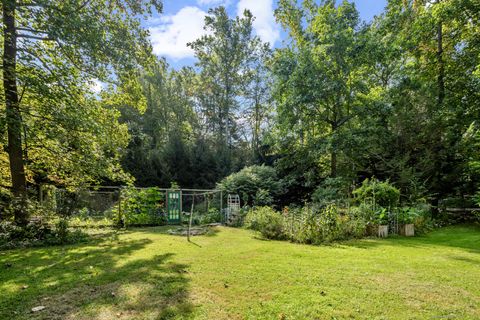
(221, 206)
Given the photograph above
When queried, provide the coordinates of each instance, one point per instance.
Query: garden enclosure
(131, 206)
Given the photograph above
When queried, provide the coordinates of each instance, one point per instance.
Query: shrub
(142, 207)
(256, 185)
(38, 232)
(370, 214)
(422, 218)
(352, 227)
(407, 215)
(212, 216)
(332, 190)
(267, 221)
(317, 225)
(378, 193)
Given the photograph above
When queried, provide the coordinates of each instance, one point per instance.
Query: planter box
(383, 231)
(377, 231)
(407, 230)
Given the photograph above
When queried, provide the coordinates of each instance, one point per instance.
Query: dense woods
(340, 101)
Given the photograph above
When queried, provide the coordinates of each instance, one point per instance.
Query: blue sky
(182, 22)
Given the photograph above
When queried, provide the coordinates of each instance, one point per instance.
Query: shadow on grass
(465, 237)
(85, 282)
(175, 230)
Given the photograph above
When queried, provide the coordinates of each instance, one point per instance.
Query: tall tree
(320, 76)
(48, 44)
(224, 57)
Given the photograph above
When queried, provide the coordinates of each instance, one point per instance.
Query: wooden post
(206, 201)
(120, 207)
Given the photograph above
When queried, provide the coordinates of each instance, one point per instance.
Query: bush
(378, 193)
(38, 232)
(212, 216)
(142, 207)
(316, 225)
(332, 190)
(267, 221)
(256, 185)
(422, 218)
(371, 214)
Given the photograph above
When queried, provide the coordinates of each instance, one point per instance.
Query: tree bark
(13, 116)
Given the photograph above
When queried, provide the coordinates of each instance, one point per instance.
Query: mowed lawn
(231, 274)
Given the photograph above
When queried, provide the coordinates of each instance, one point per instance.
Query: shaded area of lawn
(92, 282)
(149, 274)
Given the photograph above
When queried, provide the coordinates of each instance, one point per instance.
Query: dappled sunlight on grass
(149, 274)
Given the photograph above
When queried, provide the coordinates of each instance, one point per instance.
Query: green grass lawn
(231, 274)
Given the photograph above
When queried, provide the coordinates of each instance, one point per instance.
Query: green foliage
(420, 214)
(70, 132)
(309, 224)
(320, 81)
(267, 221)
(92, 222)
(316, 225)
(212, 216)
(231, 85)
(378, 193)
(407, 215)
(256, 185)
(332, 190)
(201, 218)
(142, 207)
(38, 232)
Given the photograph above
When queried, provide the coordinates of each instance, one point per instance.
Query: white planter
(383, 231)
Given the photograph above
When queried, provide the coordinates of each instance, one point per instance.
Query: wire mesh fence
(131, 206)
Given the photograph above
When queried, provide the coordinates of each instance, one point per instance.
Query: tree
(225, 57)
(319, 77)
(53, 49)
(431, 92)
(257, 94)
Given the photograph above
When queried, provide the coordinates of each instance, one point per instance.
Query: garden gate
(174, 206)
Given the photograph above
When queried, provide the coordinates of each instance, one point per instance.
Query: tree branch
(30, 30)
(27, 36)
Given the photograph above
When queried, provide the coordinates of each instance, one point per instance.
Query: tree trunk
(13, 116)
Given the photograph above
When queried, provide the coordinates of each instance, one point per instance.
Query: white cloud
(171, 35)
(212, 2)
(264, 23)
